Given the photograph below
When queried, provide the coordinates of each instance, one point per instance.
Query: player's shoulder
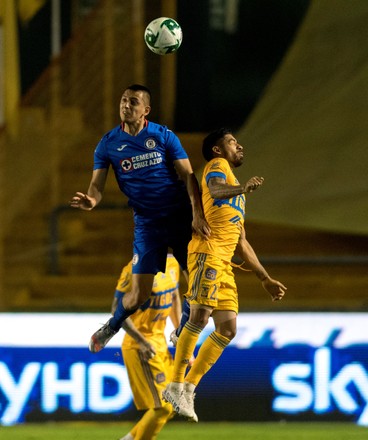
(111, 134)
(217, 167)
(217, 163)
(153, 128)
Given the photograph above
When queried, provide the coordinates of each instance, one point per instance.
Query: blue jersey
(144, 168)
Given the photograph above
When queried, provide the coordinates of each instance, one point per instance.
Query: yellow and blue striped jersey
(150, 318)
(224, 216)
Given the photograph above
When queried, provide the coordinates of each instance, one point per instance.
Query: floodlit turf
(186, 430)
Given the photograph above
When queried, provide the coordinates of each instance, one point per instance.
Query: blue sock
(120, 315)
(184, 317)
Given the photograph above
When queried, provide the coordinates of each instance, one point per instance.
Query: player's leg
(224, 316)
(152, 422)
(150, 252)
(147, 380)
(141, 290)
(209, 353)
(174, 392)
(202, 293)
(138, 295)
(212, 347)
(188, 339)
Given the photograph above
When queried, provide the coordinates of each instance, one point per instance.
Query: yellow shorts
(148, 378)
(211, 283)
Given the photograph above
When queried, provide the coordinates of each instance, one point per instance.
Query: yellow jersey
(224, 216)
(150, 318)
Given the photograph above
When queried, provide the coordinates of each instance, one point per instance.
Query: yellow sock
(152, 422)
(208, 355)
(184, 350)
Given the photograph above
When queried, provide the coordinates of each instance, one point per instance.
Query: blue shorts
(154, 238)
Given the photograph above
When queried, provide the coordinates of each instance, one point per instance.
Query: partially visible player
(146, 355)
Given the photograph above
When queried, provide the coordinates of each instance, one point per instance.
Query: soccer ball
(163, 35)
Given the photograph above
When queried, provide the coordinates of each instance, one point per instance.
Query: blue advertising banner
(280, 366)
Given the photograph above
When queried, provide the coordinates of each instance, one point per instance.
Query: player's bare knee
(199, 321)
(199, 316)
(228, 332)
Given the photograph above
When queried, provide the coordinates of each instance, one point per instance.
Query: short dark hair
(211, 140)
(140, 88)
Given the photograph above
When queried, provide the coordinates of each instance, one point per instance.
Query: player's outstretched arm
(219, 189)
(246, 252)
(93, 197)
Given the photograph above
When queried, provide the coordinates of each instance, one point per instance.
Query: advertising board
(280, 366)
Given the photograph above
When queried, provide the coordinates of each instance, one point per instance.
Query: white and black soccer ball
(163, 36)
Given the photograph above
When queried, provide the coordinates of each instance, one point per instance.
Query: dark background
(223, 72)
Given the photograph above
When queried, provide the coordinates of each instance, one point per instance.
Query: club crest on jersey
(150, 143)
(210, 274)
(126, 165)
(135, 259)
(160, 377)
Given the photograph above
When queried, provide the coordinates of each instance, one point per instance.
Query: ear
(216, 149)
(147, 110)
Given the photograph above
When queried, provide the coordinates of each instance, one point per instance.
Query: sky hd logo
(297, 366)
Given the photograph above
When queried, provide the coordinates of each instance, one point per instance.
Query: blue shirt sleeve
(174, 146)
(100, 157)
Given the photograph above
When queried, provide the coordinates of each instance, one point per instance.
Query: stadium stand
(58, 259)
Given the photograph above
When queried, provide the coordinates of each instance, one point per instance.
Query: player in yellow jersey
(212, 289)
(144, 348)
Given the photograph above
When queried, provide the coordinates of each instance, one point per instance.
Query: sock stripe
(219, 340)
(192, 328)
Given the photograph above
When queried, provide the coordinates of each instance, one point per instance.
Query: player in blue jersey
(153, 170)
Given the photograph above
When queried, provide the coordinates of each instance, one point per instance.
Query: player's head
(145, 91)
(135, 104)
(222, 143)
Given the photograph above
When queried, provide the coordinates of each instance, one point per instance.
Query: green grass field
(189, 431)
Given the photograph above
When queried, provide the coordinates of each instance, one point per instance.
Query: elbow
(214, 194)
